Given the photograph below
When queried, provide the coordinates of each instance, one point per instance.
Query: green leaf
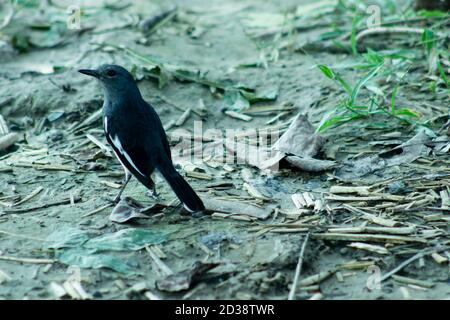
(66, 237)
(432, 13)
(362, 82)
(344, 84)
(373, 57)
(331, 119)
(129, 239)
(407, 112)
(84, 258)
(428, 39)
(75, 247)
(327, 71)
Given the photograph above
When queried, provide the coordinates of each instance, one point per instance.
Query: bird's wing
(166, 146)
(129, 148)
(153, 123)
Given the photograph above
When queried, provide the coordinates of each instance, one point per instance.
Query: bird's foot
(153, 194)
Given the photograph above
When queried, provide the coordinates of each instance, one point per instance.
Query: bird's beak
(89, 72)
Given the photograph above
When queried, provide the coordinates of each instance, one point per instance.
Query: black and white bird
(135, 132)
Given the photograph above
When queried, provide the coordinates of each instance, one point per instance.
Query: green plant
(434, 53)
(349, 108)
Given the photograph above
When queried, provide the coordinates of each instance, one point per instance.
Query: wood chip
(362, 191)
(166, 271)
(57, 290)
(232, 216)
(416, 282)
(182, 119)
(4, 277)
(369, 247)
(318, 205)
(3, 126)
(199, 175)
(355, 265)
(75, 290)
(316, 296)
(298, 201)
(111, 184)
(381, 221)
(254, 192)
(439, 258)
(445, 197)
(8, 140)
(316, 278)
(238, 115)
(151, 296)
(309, 198)
(367, 237)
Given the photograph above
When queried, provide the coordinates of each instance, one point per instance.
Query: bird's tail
(182, 189)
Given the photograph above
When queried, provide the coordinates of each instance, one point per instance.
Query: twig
(99, 144)
(182, 119)
(27, 260)
(87, 122)
(413, 258)
(97, 210)
(366, 237)
(390, 23)
(43, 206)
(161, 265)
(238, 115)
(31, 195)
(298, 269)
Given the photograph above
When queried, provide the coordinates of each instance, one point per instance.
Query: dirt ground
(54, 243)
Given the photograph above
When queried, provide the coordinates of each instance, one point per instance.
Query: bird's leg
(152, 190)
(124, 184)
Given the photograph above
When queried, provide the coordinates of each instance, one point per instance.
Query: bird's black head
(114, 78)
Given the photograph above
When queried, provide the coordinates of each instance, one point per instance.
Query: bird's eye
(110, 73)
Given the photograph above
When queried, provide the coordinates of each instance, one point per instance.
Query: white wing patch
(119, 147)
(186, 207)
(105, 124)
